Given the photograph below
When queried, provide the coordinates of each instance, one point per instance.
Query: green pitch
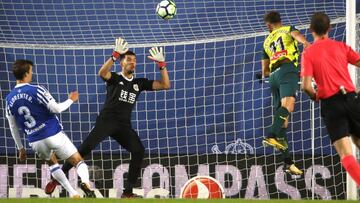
(106, 200)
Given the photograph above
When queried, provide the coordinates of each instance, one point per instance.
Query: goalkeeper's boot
(130, 195)
(273, 142)
(50, 187)
(292, 169)
(88, 192)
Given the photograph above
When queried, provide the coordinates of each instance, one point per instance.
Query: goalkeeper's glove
(121, 47)
(158, 56)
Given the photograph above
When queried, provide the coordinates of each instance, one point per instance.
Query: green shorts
(284, 83)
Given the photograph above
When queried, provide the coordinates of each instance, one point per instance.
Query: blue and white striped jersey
(28, 104)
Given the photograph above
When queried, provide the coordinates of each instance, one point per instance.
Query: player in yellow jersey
(280, 63)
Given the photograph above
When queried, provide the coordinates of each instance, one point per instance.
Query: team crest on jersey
(136, 87)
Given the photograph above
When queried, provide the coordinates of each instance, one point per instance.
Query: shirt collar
(21, 84)
(126, 78)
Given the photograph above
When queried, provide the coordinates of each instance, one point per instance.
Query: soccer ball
(202, 187)
(166, 9)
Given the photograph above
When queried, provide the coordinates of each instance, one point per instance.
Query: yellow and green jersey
(280, 45)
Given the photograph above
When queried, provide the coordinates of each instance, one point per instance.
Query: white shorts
(59, 144)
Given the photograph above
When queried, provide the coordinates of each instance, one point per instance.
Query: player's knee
(75, 159)
(289, 107)
(288, 103)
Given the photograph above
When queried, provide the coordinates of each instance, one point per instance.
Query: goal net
(212, 120)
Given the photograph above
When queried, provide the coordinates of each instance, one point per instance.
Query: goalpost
(210, 123)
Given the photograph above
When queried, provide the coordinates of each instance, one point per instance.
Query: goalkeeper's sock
(83, 172)
(280, 117)
(282, 138)
(60, 176)
(128, 188)
(352, 167)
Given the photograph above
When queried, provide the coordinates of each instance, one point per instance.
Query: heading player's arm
(157, 56)
(300, 38)
(265, 64)
(121, 47)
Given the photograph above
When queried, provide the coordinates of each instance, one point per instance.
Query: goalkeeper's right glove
(121, 47)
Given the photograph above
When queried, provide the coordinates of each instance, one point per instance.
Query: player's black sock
(128, 188)
(282, 138)
(280, 117)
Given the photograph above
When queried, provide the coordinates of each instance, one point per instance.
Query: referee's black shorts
(341, 114)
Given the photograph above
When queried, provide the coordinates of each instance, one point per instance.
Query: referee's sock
(60, 176)
(280, 117)
(352, 167)
(83, 172)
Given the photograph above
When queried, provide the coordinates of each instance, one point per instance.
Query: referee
(326, 61)
(114, 119)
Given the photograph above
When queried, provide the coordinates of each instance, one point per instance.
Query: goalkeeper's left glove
(158, 56)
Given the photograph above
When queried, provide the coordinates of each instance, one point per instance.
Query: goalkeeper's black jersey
(121, 96)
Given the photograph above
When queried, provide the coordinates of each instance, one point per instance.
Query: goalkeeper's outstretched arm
(157, 55)
(121, 47)
(105, 70)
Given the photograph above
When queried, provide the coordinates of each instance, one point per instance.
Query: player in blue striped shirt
(33, 109)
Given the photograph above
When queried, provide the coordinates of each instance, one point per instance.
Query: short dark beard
(130, 72)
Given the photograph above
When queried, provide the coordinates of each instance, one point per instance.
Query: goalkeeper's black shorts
(105, 127)
(341, 114)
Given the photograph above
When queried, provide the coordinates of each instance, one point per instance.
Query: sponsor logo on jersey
(121, 83)
(202, 187)
(279, 54)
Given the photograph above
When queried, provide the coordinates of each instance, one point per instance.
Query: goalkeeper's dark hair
(122, 56)
(272, 17)
(21, 67)
(320, 23)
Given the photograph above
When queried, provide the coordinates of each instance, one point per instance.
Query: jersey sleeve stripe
(42, 88)
(43, 95)
(42, 98)
(40, 91)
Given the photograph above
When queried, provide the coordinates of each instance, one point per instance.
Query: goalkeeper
(114, 119)
(280, 63)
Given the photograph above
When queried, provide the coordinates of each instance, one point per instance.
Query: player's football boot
(88, 192)
(76, 197)
(50, 187)
(273, 142)
(130, 195)
(292, 169)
